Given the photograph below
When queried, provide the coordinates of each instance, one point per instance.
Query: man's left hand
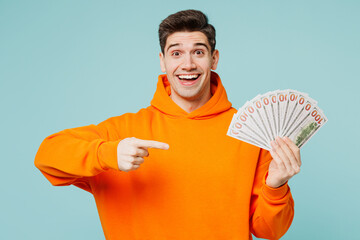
(285, 164)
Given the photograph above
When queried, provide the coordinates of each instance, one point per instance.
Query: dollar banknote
(277, 113)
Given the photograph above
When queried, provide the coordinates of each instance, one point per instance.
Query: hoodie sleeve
(272, 209)
(73, 155)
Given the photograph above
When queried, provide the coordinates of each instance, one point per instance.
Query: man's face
(187, 61)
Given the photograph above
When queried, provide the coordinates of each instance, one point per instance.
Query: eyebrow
(172, 45)
(202, 44)
(196, 44)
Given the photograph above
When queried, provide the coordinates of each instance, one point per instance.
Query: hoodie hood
(217, 104)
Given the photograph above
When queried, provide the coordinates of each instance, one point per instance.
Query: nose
(188, 63)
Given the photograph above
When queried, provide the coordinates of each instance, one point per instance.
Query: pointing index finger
(151, 144)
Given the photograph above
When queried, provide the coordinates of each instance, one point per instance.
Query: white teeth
(188, 76)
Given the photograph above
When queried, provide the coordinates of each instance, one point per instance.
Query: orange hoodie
(206, 186)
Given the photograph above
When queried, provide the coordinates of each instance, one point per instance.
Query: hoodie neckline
(217, 104)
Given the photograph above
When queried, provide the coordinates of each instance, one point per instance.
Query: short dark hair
(186, 21)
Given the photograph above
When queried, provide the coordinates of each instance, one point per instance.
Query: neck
(190, 105)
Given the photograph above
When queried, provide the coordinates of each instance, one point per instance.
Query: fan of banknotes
(279, 113)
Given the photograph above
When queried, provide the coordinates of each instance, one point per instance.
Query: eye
(199, 52)
(175, 53)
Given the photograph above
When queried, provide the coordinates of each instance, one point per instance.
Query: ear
(162, 62)
(215, 59)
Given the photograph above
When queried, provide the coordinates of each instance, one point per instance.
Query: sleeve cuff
(107, 155)
(274, 193)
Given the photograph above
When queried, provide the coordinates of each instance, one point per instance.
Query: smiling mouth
(188, 79)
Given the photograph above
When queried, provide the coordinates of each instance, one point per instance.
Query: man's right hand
(131, 152)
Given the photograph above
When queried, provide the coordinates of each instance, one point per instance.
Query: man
(169, 171)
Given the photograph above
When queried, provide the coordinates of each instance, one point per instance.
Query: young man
(206, 185)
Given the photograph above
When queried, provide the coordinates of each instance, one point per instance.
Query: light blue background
(66, 64)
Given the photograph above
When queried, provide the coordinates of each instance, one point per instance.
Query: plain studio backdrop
(67, 64)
